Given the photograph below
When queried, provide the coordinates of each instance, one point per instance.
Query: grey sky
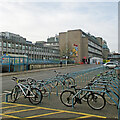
(37, 20)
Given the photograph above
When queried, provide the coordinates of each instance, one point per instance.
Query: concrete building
(105, 50)
(52, 42)
(114, 57)
(79, 46)
(15, 44)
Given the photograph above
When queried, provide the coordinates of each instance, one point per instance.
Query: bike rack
(119, 109)
(6, 97)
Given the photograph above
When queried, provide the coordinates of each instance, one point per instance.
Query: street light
(66, 47)
(66, 59)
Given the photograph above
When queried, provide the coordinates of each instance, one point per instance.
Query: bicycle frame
(21, 86)
(88, 89)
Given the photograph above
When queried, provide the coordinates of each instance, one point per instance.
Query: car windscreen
(110, 63)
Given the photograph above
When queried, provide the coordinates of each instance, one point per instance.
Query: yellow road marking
(44, 114)
(18, 104)
(7, 107)
(21, 110)
(35, 107)
(10, 116)
(80, 117)
(85, 114)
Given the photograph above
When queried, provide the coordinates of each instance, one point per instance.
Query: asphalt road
(51, 107)
(42, 74)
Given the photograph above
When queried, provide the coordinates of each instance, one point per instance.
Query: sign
(74, 52)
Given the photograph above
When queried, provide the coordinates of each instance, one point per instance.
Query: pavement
(53, 109)
(34, 70)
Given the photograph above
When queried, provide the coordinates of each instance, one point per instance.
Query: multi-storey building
(114, 57)
(52, 42)
(15, 44)
(79, 46)
(105, 49)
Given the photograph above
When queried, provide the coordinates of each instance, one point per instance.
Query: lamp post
(66, 60)
(66, 47)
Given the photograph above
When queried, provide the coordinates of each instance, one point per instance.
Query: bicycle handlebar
(59, 73)
(19, 80)
(31, 80)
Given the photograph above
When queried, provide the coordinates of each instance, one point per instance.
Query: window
(23, 47)
(16, 45)
(20, 46)
(13, 45)
(0, 43)
(27, 47)
(4, 44)
(9, 44)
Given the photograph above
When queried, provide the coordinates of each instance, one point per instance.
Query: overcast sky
(37, 20)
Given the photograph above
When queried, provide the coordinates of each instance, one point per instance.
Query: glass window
(16, 45)
(27, 47)
(9, 44)
(23, 47)
(16, 50)
(20, 46)
(13, 45)
(4, 44)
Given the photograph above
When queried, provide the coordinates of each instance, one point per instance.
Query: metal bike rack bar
(6, 97)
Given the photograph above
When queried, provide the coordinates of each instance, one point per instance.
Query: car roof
(110, 62)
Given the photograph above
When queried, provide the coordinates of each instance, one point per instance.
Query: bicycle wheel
(96, 101)
(69, 81)
(37, 96)
(14, 94)
(66, 98)
(109, 100)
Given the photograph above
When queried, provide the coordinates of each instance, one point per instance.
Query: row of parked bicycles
(35, 90)
(103, 88)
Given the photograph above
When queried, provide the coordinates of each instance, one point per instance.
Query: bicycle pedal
(78, 101)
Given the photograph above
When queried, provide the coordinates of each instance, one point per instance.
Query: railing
(41, 61)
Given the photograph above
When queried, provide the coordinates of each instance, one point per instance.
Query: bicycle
(32, 93)
(43, 85)
(110, 86)
(64, 79)
(95, 100)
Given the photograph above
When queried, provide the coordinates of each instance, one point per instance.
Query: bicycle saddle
(73, 86)
(14, 78)
(89, 84)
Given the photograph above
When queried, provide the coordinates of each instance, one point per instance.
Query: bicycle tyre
(66, 96)
(96, 101)
(70, 80)
(38, 96)
(14, 94)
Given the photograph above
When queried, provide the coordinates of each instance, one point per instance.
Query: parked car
(110, 65)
